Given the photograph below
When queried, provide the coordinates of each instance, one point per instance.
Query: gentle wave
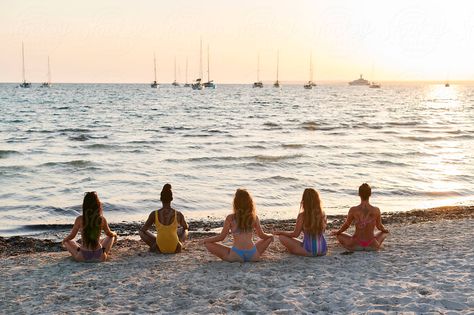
(74, 163)
(7, 153)
(85, 137)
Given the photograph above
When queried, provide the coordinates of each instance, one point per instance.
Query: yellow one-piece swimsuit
(167, 236)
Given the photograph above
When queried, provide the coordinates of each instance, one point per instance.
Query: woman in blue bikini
(241, 224)
(90, 224)
(312, 222)
(366, 218)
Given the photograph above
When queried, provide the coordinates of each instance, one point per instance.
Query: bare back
(365, 217)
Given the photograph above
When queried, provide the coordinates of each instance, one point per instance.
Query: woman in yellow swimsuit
(171, 227)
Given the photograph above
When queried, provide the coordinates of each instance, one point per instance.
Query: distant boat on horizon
(209, 83)
(175, 83)
(375, 85)
(24, 84)
(186, 84)
(310, 83)
(447, 84)
(47, 83)
(197, 85)
(154, 84)
(258, 83)
(277, 82)
(359, 81)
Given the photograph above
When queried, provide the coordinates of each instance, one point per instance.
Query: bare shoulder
(103, 220)
(78, 220)
(229, 217)
(377, 210)
(353, 209)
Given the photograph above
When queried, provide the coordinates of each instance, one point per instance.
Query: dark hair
(91, 220)
(365, 191)
(166, 194)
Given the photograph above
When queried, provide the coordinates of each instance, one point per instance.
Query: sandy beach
(426, 266)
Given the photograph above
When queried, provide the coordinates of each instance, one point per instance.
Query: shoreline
(128, 232)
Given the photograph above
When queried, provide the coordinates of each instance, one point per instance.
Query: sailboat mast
(154, 64)
(208, 67)
(278, 61)
(49, 72)
(23, 60)
(175, 69)
(258, 68)
(200, 60)
(186, 70)
(311, 67)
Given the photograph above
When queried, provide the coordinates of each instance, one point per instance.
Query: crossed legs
(350, 243)
(225, 253)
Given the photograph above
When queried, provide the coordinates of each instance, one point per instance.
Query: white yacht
(360, 81)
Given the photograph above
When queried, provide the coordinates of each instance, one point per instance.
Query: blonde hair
(312, 212)
(244, 210)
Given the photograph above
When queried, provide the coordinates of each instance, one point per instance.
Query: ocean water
(414, 144)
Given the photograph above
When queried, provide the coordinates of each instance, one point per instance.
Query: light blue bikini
(245, 254)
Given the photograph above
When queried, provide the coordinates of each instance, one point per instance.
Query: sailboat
(197, 85)
(175, 83)
(187, 84)
(310, 83)
(154, 84)
(48, 83)
(24, 84)
(373, 84)
(209, 83)
(258, 83)
(277, 83)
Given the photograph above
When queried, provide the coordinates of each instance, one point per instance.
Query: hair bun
(166, 193)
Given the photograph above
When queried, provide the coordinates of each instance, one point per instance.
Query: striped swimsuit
(315, 244)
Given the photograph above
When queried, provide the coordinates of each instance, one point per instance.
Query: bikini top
(363, 223)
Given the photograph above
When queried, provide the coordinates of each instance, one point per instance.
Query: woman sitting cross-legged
(312, 221)
(241, 224)
(90, 224)
(366, 218)
(171, 227)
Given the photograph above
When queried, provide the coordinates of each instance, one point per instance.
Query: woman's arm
(149, 222)
(182, 221)
(75, 229)
(378, 222)
(347, 224)
(296, 232)
(222, 235)
(106, 228)
(258, 229)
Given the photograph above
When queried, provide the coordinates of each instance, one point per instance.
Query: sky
(114, 40)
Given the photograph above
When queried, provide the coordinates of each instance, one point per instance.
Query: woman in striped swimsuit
(312, 221)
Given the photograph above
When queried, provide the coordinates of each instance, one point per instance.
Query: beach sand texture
(424, 268)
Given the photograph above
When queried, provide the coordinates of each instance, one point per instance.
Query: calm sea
(413, 144)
